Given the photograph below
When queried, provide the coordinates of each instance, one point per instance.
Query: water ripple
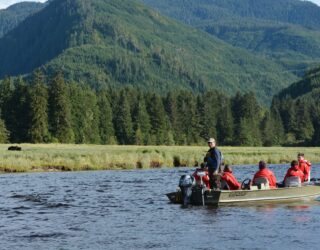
(128, 210)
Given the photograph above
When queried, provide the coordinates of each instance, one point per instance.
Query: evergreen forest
(285, 31)
(106, 43)
(119, 72)
(49, 109)
(15, 14)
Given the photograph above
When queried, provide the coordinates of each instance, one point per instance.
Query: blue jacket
(213, 159)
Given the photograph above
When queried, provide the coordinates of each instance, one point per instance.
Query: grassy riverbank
(61, 157)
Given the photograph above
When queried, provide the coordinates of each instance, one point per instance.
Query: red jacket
(294, 171)
(205, 178)
(231, 180)
(267, 173)
(305, 167)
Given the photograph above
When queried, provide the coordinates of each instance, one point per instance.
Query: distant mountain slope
(287, 31)
(296, 12)
(308, 87)
(12, 16)
(115, 43)
(299, 108)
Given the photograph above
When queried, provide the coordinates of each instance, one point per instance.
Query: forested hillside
(50, 110)
(15, 14)
(299, 108)
(116, 43)
(127, 75)
(286, 31)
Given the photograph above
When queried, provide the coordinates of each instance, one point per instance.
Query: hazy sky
(5, 3)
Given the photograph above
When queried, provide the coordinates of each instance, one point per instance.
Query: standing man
(213, 160)
(304, 166)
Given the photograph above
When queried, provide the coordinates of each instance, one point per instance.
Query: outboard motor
(186, 183)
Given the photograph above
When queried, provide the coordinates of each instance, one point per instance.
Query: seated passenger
(264, 172)
(229, 178)
(304, 166)
(205, 178)
(294, 170)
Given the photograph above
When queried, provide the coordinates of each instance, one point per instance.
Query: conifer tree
(187, 119)
(85, 114)
(267, 130)
(225, 123)
(304, 130)
(207, 107)
(142, 124)
(4, 133)
(123, 120)
(247, 114)
(6, 92)
(171, 108)
(278, 130)
(91, 116)
(60, 110)
(158, 120)
(106, 126)
(19, 119)
(243, 136)
(38, 130)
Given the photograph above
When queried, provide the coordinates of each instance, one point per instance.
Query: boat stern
(175, 197)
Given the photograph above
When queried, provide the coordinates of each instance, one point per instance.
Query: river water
(129, 210)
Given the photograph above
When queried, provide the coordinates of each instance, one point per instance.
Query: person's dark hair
(262, 164)
(227, 168)
(294, 163)
(301, 154)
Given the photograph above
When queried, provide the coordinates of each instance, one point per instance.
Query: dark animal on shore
(14, 148)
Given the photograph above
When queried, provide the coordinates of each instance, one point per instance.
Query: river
(129, 210)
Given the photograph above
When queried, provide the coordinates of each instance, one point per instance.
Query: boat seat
(253, 187)
(262, 183)
(292, 181)
(224, 185)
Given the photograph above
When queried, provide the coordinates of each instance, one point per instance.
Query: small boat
(263, 194)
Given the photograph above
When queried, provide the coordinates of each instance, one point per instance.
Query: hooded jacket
(267, 173)
(305, 167)
(231, 180)
(294, 171)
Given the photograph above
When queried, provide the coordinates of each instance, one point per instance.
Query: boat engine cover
(186, 181)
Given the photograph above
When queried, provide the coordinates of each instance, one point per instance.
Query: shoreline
(69, 157)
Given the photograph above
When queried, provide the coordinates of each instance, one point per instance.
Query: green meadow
(67, 157)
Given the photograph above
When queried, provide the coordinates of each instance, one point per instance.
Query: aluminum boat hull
(225, 197)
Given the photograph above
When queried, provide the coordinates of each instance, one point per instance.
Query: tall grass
(62, 157)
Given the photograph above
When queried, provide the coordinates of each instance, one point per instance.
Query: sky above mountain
(5, 3)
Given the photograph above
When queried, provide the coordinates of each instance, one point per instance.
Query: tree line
(48, 109)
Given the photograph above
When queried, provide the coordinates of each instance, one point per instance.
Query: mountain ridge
(285, 31)
(15, 14)
(111, 43)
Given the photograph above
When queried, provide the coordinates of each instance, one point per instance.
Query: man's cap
(212, 140)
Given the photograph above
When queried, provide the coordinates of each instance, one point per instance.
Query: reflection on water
(129, 210)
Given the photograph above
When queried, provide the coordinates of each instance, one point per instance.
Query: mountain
(308, 88)
(286, 31)
(15, 14)
(116, 43)
(299, 109)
